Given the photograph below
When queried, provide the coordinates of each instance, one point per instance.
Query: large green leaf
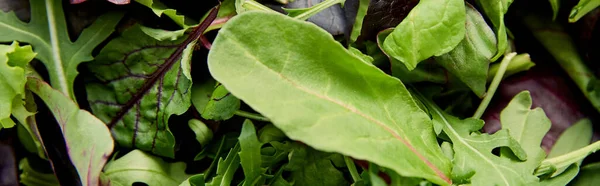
(432, 28)
(470, 60)
(495, 10)
(473, 158)
(13, 61)
(319, 93)
(250, 156)
(138, 166)
(88, 140)
(47, 32)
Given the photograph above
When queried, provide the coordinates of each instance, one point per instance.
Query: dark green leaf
(201, 94)
(312, 167)
(226, 168)
(221, 106)
(495, 11)
(203, 133)
(588, 176)
(196, 180)
(582, 8)
(250, 156)
(29, 176)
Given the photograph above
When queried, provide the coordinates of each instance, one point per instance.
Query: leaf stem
(352, 168)
(494, 85)
(250, 115)
(317, 8)
(563, 161)
(520, 63)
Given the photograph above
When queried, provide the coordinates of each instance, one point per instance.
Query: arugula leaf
(47, 33)
(582, 8)
(297, 75)
(138, 166)
(221, 106)
(432, 28)
(87, 139)
(160, 9)
(226, 168)
(495, 11)
(311, 167)
(555, 6)
(203, 133)
(470, 60)
(30, 176)
(13, 61)
(250, 156)
(471, 146)
(195, 180)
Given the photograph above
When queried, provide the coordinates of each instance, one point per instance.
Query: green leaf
(201, 93)
(297, 75)
(313, 167)
(250, 156)
(305, 13)
(160, 9)
(550, 165)
(28, 132)
(432, 28)
(13, 61)
(588, 176)
(271, 156)
(582, 8)
(138, 166)
(270, 133)
(470, 60)
(528, 127)
(564, 178)
(555, 6)
(221, 106)
(30, 176)
(226, 168)
(495, 11)
(47, 33)
(473, 158)
(575, 137)
(88, 140)
(203, 133)
(196, 180)
(361, 12)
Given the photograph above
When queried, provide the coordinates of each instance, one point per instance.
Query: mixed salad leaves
(299, 92)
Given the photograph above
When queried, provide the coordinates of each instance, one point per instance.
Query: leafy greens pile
(288, 96)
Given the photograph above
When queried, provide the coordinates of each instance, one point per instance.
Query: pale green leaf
(564, 178)
(582, 8)
(47, 33)
(138, 166)
(139, 89)
(550, 165)
(432, 28)
(470, 60)
(203, 133)
(575, 137)
(310, 86)
(201, 93)
(88, 140)
(528, 127)
(226, 168)
(361, 12)
(32, 177)
(221, 106)
(250, 156)
(495, 10)
(13, 61)
(473, 159)
(305, 13)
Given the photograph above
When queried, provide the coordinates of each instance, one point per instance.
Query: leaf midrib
(55, 47)
(351, 109)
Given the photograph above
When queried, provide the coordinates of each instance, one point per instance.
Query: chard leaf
(47, 33)
(582, 8)
(142, 83)
(138, 166)
(221, 106)
(470, 60)
(250, 156)
(313, 167)
(495, 11)
(226, 168)
(528, 127)
(88, 140)
(30, 176)
(279, 65)
(471, 146)
(14, 59)
(432, 28)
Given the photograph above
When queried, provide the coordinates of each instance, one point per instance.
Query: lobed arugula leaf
(432, 28)
(47, 33)
(311, 167)
(470, 60)
(250, 156)
(14, 59)
(226, 168)
(495, 11)
(313, 87)
(87, 139)
(138, 166)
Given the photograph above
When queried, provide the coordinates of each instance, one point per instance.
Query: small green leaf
(13, 61)
(564, 178)
(250, 156)
(582, 8)
(203, 133)
(159, 9)
(588, 176)
(30, 176)
(47, 33)
(550, 165)
(195, 180)
(310, 86)
(221, 106)
(201, 93)
(88, 140)
(361, 12)
(313, 167)
(270, 133)
(575, 137)
(555, 6)
(138, 166)
(470, 59)
(226, 168)
(305, 13)
(432, 28)
(495, 11)
(28, 132)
